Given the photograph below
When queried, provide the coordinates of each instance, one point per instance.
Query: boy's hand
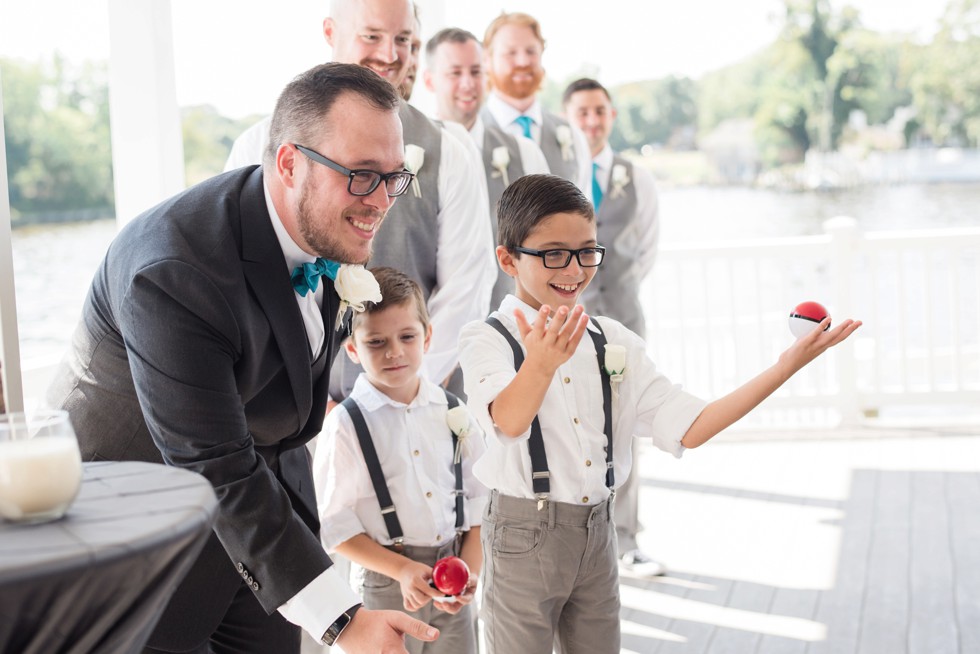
(809, 347)
(551, 345)
(462, 599)
(414, 579)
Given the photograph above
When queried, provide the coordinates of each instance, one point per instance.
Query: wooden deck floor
(860, 542)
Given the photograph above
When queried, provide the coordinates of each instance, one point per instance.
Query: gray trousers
(627, 512)
(457, 633)
(550, 578)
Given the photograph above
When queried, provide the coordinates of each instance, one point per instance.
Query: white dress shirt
(505, 114)
(532, 159)
(639, 240)
(645, 404)
(466, 266)
(415, 449)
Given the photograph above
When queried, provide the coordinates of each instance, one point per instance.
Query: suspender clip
(542, 501)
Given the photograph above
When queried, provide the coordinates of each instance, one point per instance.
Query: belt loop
(552, 511)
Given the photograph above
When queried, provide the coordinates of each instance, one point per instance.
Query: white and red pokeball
(805, 317)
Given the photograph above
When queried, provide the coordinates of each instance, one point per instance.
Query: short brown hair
(515, 18)
(533, 198)
(397, 288)
(583, 84)
(304, 102)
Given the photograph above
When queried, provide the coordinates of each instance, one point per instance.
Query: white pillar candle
(39, 477)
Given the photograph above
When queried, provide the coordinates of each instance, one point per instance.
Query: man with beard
(454, 73)
(512, 58)
(439, 232)
(625, 201)
(204, 344)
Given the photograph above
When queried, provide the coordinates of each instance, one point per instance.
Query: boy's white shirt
(645, 403)
(414, 445)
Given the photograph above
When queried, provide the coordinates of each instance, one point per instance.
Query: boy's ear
(505, 259)
(428, 339)
(351, 350)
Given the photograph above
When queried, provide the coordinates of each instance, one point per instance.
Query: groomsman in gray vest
(625, 201)
(512, 58)
(454, 74)
(439, 232)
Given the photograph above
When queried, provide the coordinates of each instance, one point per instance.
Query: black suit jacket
(192, 351)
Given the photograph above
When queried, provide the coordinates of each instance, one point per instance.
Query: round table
(97, 579)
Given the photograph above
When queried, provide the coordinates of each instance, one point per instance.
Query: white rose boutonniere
(619, 179)
(564, 135)
(458, 420)
(500, 159)
(355, 285)
(615, 362)
(414, 158)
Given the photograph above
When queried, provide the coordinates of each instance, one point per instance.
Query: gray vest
(615, 290)
(549, 144)
(409, 237)
(494, 137)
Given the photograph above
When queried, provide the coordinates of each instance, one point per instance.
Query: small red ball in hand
(805, 317)
(450, 575)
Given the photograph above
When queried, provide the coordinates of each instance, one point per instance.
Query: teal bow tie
(306, 278)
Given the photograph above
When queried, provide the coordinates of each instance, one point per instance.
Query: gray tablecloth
(97, 580)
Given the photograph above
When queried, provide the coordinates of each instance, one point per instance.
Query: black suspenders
(378, 478)
(540, 475)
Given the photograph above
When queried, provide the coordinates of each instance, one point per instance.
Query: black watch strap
(333, 632)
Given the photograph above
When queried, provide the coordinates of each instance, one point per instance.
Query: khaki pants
(457, 633)
(550, 578)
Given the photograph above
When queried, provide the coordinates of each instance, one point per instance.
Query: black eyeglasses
(363, 181)
(587, 257)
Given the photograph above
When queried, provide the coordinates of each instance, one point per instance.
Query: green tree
(208, 137)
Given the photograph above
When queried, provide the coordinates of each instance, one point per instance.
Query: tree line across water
(798, 93)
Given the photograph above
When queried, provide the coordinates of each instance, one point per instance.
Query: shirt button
(428, 494)
(416, 452)
(588, 463)
(568, 380)
(575, 420)
(585, 500)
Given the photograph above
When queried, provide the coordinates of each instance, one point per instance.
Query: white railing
(717, 316)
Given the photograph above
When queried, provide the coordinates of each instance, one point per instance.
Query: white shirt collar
(506, 114)
(511, 302)
(372, 399)
(293, 254)
(605, 158)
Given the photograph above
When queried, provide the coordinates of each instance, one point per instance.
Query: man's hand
(382, 632)
(414, 578)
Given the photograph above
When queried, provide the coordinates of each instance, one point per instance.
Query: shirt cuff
(673, 419)
(320, 603)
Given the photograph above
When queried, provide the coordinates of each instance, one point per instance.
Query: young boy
(407, 455)
(560, 427)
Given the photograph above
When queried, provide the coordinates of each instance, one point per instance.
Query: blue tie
(306, 278)
(596, 189)
(525, 123)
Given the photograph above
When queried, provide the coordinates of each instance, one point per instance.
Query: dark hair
(447, 35)
(396, 288)
(307, 99)
(533, 198)
(583, 84)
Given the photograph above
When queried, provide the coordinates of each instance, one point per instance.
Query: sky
(238, 54)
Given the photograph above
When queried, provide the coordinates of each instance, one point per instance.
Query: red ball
(450, 575)
(805, 316)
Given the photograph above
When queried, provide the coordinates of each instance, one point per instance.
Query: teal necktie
(525, 123)
(306, 278)
(596, 189)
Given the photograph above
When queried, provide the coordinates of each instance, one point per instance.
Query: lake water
(53, 265)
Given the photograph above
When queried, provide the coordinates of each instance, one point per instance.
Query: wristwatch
(333, 632)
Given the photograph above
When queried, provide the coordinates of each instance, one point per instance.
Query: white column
(10, 379)
(844, 241)
(147, 145)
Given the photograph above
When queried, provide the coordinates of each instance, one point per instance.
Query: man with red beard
(512, 57)
(439, 232)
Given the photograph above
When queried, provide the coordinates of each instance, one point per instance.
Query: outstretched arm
(726, 410)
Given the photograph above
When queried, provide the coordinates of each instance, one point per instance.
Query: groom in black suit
(195, 350)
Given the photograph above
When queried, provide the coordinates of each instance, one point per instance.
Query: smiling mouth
(566, 288)
(367, 227)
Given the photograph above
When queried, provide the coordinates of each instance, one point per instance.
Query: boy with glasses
(560, 412)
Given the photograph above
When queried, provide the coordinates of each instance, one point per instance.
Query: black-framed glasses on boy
(560, 258)
(362, 181)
